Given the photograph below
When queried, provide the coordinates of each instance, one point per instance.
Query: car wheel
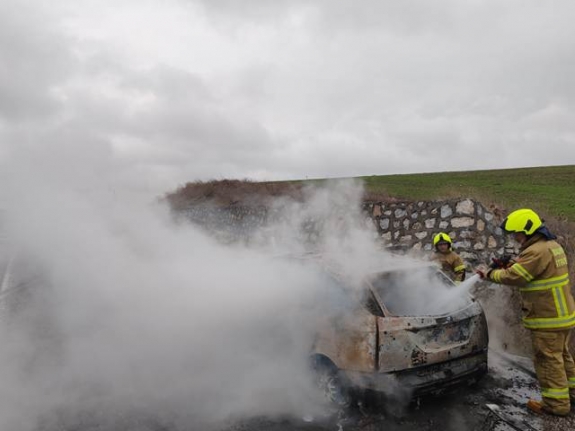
(330, 385)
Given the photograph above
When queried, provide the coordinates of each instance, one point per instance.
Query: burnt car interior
(416, 292)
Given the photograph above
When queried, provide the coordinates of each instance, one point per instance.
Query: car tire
(331, 386)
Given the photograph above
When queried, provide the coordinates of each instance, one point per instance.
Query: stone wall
(402, 226)
(230, 224)
(474, 229)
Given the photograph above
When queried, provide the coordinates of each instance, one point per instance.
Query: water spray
(469, 283)
(457, 293)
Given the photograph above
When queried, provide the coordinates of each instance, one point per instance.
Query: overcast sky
(167, 91)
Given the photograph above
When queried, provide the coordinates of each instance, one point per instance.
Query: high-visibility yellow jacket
(542, 275)
(451, 263)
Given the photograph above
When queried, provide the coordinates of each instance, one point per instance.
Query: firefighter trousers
(555, 369)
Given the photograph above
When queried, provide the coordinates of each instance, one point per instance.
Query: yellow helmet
(441, 237)
(523, 220)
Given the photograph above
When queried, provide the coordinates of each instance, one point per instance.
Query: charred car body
(406, 330)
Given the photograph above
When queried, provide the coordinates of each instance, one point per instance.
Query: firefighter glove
(482, 271)
(500, 263)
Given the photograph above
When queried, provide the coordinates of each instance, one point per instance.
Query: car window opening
(419, 292)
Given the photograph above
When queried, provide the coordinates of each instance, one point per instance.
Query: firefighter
(450, 261)
(541, 273)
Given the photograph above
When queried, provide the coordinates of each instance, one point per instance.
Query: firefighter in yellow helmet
(450, 261)
(541, 273)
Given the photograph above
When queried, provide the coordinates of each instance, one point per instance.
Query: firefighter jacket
(451, 263)
(540, 271)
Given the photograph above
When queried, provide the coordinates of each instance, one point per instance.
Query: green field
(546, 189)
(549, 190)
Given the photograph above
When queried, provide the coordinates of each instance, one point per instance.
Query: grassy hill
(548, 190)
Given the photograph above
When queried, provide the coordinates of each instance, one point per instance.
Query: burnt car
(405, 328)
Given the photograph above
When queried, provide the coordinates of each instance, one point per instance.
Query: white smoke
(130, 312)
(330, 222)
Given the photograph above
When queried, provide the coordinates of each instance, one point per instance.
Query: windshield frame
(368, 281)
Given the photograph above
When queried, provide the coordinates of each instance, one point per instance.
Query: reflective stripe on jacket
(542, 275)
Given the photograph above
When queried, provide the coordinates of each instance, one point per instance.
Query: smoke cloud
(114, 312)
(122, 313)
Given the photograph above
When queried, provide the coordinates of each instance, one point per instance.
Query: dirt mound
(224, 193)
(233, 192)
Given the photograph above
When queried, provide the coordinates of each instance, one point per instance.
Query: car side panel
(349, 340)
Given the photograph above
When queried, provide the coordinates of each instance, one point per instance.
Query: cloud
(25, 81)
(183, 90)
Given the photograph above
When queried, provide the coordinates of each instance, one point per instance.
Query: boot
(538, 407)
